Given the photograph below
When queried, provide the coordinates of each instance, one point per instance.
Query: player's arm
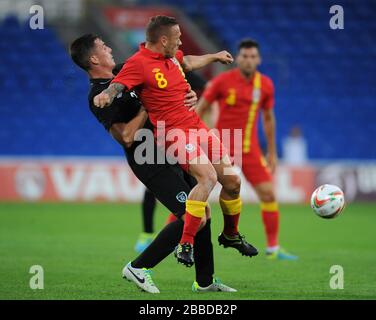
(196, 62)
(202, 107)
(130, 76)
(269, 130)
(105, 98)
(124, 133)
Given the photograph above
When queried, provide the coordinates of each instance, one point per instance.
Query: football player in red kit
(241, 94)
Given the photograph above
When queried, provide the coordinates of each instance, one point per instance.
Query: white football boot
(141, 277)
(216, 286)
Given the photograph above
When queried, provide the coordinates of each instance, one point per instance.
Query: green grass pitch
(83, 247)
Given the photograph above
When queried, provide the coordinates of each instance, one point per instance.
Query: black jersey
(123, 109)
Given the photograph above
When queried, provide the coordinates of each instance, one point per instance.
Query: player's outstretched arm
(105, 98)
(196, 62)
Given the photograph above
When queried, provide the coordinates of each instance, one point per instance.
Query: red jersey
(162, 87)
(240, 100)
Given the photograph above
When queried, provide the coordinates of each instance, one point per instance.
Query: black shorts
(169, 183)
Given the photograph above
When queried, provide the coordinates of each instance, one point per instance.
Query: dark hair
(159, 26)
(80, 50)
(248, 43)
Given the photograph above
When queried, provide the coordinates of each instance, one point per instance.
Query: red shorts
(255, 168)
(185, 145)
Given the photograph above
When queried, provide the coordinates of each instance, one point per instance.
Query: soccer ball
(327, 201)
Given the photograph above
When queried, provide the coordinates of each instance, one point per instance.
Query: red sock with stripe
(270, 218)
(231, 214)
(194, 212)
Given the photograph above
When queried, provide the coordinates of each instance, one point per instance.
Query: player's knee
(233, 184)
(267, 196)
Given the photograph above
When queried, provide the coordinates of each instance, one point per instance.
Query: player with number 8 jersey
(156, 72)
(162, 87)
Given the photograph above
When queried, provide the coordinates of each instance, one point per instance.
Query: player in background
(168, 182)
(149, 201)
(157, 72)
(241, 94)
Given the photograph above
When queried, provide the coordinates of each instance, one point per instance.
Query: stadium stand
(324, 78)
(43, 110)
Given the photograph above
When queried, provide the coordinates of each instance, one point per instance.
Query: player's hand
(224, 57)
(102, 100)
(190, 100)
(272, 160)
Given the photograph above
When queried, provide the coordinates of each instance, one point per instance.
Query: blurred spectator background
(294, 148)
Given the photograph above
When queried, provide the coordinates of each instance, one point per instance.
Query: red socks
(231, 213)
(230, 227)
(270, 217)
(195, 211)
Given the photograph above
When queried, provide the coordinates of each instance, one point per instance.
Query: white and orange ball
(328, 201)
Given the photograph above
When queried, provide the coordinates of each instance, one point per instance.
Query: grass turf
(83, 247)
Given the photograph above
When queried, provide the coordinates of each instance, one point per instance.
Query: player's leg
(204, 261)
(203, 255)
(231, 206)
(256, 171)
(171, 190)
(148, 207)
(171, 186)
(270, 218)
(204, 173)
(229, 197)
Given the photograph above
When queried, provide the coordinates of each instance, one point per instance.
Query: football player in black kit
(168, 182)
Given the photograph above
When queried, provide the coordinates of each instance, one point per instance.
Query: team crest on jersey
(231, 98)
(181, 197)
(190, 147)
(256, 95)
